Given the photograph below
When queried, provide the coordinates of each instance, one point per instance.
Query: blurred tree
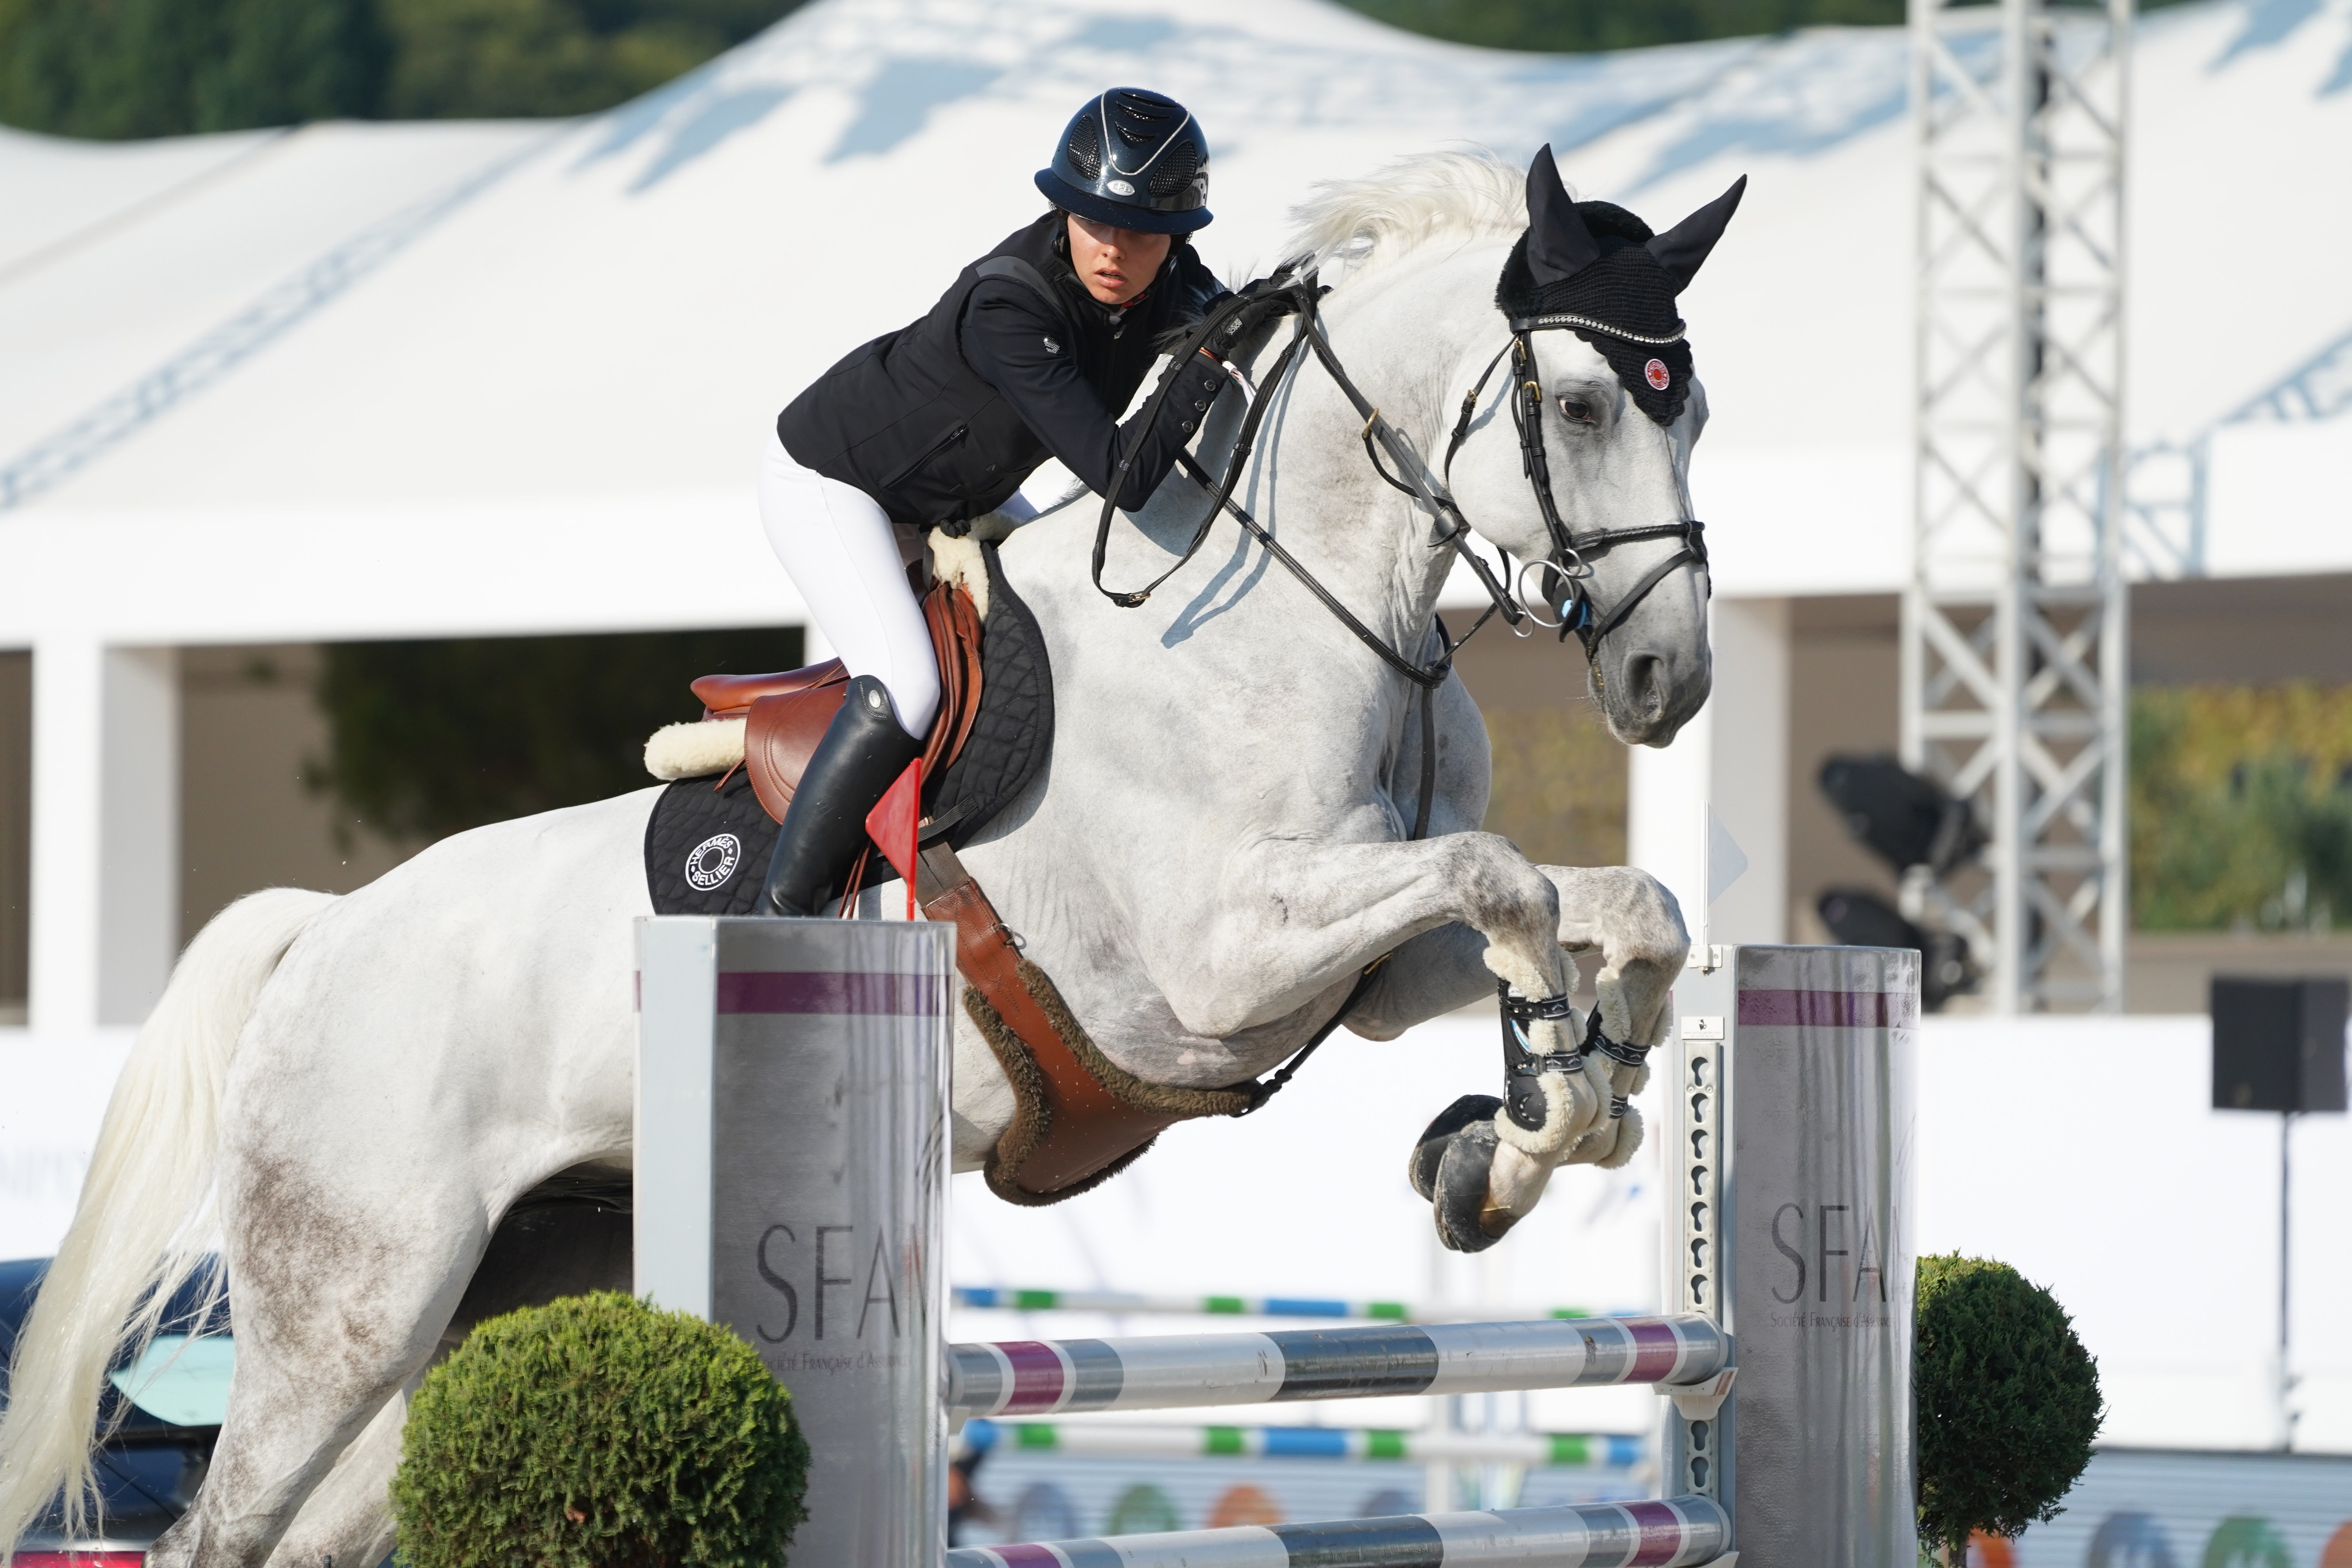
(492, 58)
(431, 738)
(1558, 789)
(2242, 807)
(159, 68)
(163, 68)
(1566, 26)
(115, 69)
(1575, 26)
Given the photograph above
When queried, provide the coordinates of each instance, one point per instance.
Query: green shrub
(597, 1432)
(2008, 1401)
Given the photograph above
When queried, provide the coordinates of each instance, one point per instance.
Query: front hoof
(1430, 1152)
(1451, 1167)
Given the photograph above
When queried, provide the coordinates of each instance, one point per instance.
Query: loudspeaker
(1859, 918)
(1906, 818)
(2278, 1044)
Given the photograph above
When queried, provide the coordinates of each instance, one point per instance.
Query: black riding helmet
(1134, 160)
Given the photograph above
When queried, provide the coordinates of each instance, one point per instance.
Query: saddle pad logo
(713, 861)
(1656, 374)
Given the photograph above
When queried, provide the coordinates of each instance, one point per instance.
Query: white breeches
(837, 546)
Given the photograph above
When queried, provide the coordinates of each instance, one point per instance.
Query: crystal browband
(1532, 324)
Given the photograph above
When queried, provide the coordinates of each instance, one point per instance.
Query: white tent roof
(406, 379)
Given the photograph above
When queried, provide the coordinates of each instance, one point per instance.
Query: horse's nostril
(1645, 681)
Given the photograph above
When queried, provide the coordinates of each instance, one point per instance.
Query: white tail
(144, 1220)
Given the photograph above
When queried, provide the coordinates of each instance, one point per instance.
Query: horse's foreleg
(1472, 909)
(1478, 1185)
(1627, 916)
(1432, 975)
(1292, 917)
(1308, 912)
(1479, 1182)
(1636, 923)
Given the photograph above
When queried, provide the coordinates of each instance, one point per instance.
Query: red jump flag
(895, 825)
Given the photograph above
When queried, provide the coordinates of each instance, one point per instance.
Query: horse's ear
(1558, 245)
(1683, 248)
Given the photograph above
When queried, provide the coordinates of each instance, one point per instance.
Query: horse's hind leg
(570, 1237)
(347, 1519)
(339, 1290)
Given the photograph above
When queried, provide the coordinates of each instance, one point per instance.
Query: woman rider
(1028, 355)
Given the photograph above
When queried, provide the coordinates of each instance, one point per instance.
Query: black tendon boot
(862, 754)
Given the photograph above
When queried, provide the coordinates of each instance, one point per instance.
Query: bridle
(1568, 566)
(1569, 562)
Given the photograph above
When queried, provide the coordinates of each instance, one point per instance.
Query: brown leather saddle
(787, 713)
(1078, 1118)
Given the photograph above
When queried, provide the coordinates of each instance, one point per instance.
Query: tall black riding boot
(862, 753)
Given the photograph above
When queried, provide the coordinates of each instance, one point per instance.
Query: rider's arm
(1019, 350)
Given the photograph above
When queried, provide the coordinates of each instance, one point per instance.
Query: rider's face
(1115, 264)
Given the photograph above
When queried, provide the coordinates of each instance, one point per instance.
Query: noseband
(1566, 569)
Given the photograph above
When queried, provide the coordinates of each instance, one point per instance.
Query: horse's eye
(1576, 410)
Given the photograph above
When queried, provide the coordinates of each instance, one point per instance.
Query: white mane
(1429, 196)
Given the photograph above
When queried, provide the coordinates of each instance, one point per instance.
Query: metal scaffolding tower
(2013, 629)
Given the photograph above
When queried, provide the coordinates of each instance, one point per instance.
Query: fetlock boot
(864, 751)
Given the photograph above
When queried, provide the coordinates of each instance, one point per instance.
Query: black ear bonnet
(1599, 271)
(1624, 287)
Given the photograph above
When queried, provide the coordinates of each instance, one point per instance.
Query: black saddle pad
(708, 841)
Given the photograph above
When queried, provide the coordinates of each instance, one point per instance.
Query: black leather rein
(1223, 326)
(1568, 564)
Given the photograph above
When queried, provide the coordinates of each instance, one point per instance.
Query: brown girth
(1079, 1119)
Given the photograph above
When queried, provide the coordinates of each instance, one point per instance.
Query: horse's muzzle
(1648, 694)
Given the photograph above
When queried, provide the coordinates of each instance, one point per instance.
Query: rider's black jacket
(942, 419)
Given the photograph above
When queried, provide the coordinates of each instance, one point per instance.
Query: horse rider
(1029, 355)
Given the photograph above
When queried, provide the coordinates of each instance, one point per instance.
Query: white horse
(354, 1094)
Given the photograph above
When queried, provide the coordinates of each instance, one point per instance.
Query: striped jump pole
(1181, 1371)
(1011, 1298)
(1541, 1451)
(1673, 1532)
